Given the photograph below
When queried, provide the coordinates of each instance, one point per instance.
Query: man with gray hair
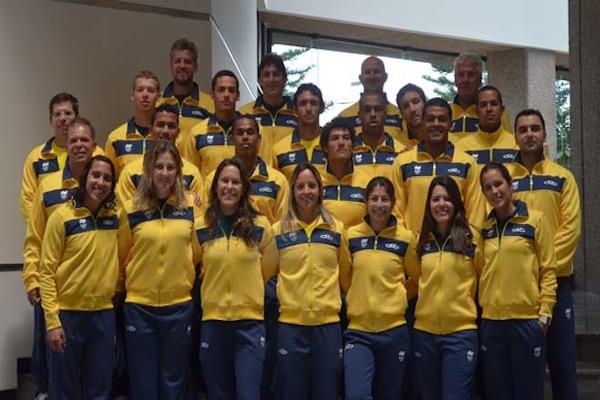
(467, 79)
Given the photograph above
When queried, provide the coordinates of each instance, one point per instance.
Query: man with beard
(411, 99)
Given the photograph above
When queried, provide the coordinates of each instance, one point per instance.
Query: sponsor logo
(454, 171)
(390, 158)
(130, 328)
(508, 156)
(128, 147)
(282, 351)
(356, 195)
(349, 346)
(401, 355)
(518, 229)
(470, 355)
(326, 236)
(179, 213)
(108, 222)
(204, 345)
(265, 189)
(550, 182)
(418, 355)
(197, 112)
(392, 246)
(291, 122)
(483, 348)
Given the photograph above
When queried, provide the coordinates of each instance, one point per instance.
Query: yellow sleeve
(269, 255)
(52, 252)
(412, 264)
(282, 199)
(110, 153)
(478, 259)
(474, 200)
(125, 245)
(196, 247)
(188, 148)
(544, 246)
(28, 187)
(33, 242)
(400, 190)
(567, 236)
(344, 261)
(125, 188)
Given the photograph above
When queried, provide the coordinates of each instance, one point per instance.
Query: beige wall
(52, 46)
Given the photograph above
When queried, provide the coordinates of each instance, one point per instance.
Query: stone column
(526, 79)
(584, 68)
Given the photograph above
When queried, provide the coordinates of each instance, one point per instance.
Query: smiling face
(379, 206)
(98, 183)
(437, 124)
(497, 191)
(229, 189)
(441, 207)
(164, 175)
(306, 192)
(183, 66)
(80, 143)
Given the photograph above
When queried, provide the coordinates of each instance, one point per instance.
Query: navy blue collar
(168, 92)
(449, 151)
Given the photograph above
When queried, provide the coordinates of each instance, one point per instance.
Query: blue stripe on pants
(513, 357)
(232, 355)
(561, 343)
(88, 357)
(158, 350)
(375, 363)
(446, 364)
(39, 364)
(309, 361)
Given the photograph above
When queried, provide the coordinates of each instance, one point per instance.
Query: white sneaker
(41, 396)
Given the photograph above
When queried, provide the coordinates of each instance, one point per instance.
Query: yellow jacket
(311, 270)
(125, 144)
(393, 122)
(40, 163)
(552, 190)
(192, 110)
(269, 191)
(234, 275)
(465, 121)
(157, 253)
(368, 164)
(132, 175)
(448, 286)
(518, 280)
(80, 265)
(377, 297)
(272, 127)
(496, 147)
(208, 145)
(344, 198)
(54, 190)
(414, 170)
(289, 152)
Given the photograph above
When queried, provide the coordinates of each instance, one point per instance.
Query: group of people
(422, 251)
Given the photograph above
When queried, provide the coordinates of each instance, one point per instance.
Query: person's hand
(197, 200)
(544, 327)
(57, 339)
(33, 296)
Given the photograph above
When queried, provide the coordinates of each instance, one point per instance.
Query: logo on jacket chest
(128, 147)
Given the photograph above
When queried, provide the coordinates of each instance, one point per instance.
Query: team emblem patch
(45, 166)
(292, 157)
(364, 242)
(128, 147)
(470, 355)
(82, 223)
(210, 139)
(64, 194)
(401, 355)
(417, 169)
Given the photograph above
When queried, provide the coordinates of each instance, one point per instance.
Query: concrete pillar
(526, 79)
(584, 68)
(238, 22)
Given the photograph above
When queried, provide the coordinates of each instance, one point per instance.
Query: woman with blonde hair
(158, 251)
(313, 264)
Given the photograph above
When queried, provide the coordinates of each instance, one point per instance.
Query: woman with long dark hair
(156, 248)
(383, 255)
(313, 265)
(445, 330)
(517, 292)
(78, 279)
(238, 255)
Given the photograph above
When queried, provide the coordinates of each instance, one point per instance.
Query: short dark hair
(240, 117)
(438, 102)
(224, 72)
(379, 94)
(168, 108)
(530, 111)
(488, 88)
(314, 89)
(82, 121)
(64, 97)
(336, 123)
(272, 59)
(184, 44)
(410, 87)
(495, 166)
